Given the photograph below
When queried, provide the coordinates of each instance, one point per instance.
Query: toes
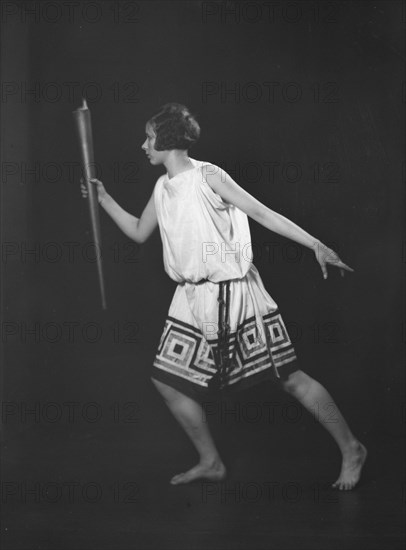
(197, 473)
(177, 478)
(344, 485)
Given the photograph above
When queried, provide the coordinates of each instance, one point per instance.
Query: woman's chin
(154, 162)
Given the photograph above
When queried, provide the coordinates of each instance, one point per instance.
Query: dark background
(348, 63)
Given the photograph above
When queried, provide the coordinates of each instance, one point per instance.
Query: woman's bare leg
(316, 399)
(191, 417)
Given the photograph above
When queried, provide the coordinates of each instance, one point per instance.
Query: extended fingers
(335, 260)
(343, 267)
(324, 270)
(328, 256)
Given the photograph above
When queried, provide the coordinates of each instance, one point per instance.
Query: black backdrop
(314, 128)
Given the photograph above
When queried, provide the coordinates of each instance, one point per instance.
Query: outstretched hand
(325, 255)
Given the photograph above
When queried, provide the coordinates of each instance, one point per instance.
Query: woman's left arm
(232, 193)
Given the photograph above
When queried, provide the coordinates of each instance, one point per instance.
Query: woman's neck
(177, 163)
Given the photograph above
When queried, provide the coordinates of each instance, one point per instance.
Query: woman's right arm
(137, 229)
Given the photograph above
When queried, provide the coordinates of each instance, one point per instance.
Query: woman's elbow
(137, 237)
(134, 233)
(140, 239)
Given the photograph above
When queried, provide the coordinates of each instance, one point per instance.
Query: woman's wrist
(102, 199)
(316, 244)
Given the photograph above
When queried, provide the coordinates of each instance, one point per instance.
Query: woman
(223, 330)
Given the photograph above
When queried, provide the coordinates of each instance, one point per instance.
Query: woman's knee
(297, 383)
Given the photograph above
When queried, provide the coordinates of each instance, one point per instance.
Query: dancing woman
(223, 331)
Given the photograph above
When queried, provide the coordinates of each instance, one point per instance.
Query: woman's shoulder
(160, 181)
(205, 167)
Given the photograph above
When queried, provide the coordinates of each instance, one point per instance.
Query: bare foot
(214, 471)
(351, 468)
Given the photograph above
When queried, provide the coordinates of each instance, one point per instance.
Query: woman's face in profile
(155, 157)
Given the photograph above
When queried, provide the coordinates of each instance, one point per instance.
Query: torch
(83, 124)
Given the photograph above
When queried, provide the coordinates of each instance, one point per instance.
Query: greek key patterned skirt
(223, 336)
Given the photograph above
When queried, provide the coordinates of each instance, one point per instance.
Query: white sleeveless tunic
(203, 237)
(207, 250)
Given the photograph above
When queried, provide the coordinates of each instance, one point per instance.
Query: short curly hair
(175, 127)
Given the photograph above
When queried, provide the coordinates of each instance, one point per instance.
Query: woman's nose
(144, 145)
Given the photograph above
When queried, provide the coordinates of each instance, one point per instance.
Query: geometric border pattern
(183, 351)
